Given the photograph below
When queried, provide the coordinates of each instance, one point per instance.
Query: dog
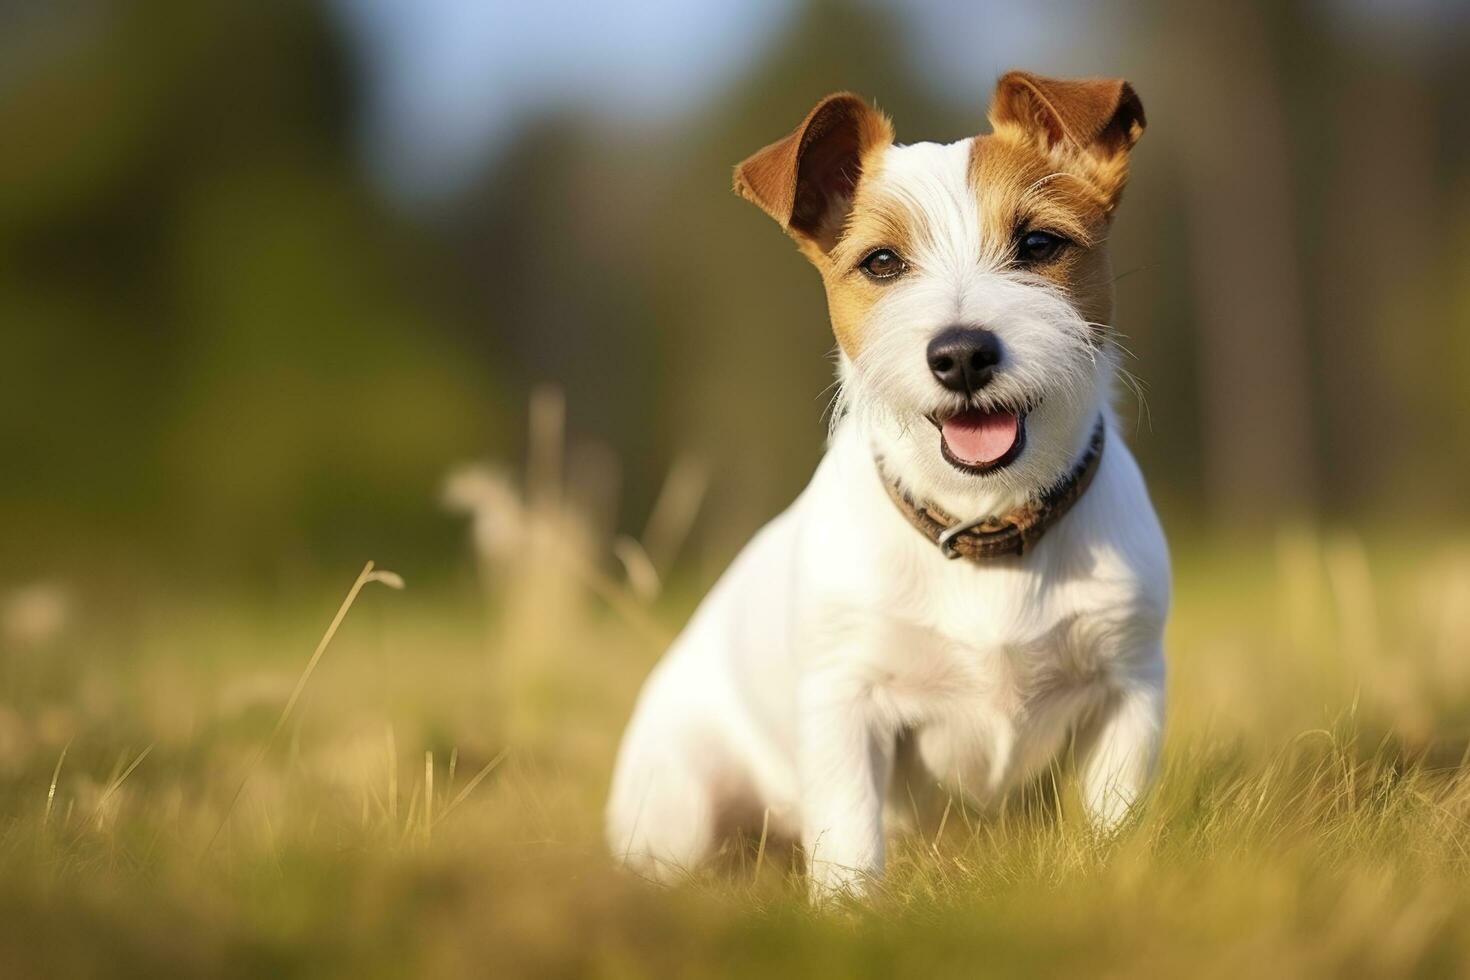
(975, 575)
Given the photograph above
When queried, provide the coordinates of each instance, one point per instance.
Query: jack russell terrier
(975, 578)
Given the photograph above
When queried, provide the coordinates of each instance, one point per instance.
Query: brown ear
(1103, 115)
(807, 179)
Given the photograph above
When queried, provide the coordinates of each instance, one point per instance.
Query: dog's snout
(964, 358)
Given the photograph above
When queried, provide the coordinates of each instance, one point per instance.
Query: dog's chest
(1012, 638)
(1005, 650)
(991, 696)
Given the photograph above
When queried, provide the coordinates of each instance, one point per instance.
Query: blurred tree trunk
(1258, 459)
(1382, 335)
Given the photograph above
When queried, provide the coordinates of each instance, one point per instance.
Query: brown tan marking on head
(876, 222)
(1057, 161)
(814, 182)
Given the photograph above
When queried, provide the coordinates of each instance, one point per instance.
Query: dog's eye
(1036, 247)
(883, 264)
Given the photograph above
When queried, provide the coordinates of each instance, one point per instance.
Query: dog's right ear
(806, 181)
(1098, 115)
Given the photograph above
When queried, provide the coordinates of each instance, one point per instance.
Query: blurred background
(289, 286)
(268, 271)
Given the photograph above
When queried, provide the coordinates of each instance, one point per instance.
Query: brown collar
(1009, 535)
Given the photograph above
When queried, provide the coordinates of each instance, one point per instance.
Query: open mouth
(981, 440)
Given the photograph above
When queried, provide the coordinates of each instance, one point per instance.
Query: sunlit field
(233, 788)
(383, 384)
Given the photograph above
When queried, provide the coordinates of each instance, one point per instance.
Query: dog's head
(968, 284)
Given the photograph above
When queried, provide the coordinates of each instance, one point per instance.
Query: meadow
(208, 785)
(268, 269)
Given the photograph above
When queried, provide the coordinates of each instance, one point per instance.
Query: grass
(188, 789)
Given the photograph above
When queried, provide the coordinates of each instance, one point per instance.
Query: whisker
(1137, 386)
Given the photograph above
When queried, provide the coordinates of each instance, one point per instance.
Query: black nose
(964, 358)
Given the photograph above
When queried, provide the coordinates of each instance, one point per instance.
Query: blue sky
(450, 79)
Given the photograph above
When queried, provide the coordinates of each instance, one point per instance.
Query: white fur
(840, 628)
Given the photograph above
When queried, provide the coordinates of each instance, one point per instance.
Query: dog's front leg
(1118, 761)
(845, 758)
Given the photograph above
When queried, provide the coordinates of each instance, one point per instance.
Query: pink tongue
(977, 437)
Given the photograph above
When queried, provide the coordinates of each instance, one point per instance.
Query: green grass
(1311, 818)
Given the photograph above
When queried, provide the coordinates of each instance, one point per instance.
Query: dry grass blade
(392, 776)
(943, 822)
(113, 786)
(479, 777)
(428, 794)
(390, 579)
(760, 851)
(55, 777)
(673, 514)
(412, 815)
(642, 576)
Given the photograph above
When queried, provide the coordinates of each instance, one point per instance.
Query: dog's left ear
(1101, 116)
(807, 179)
